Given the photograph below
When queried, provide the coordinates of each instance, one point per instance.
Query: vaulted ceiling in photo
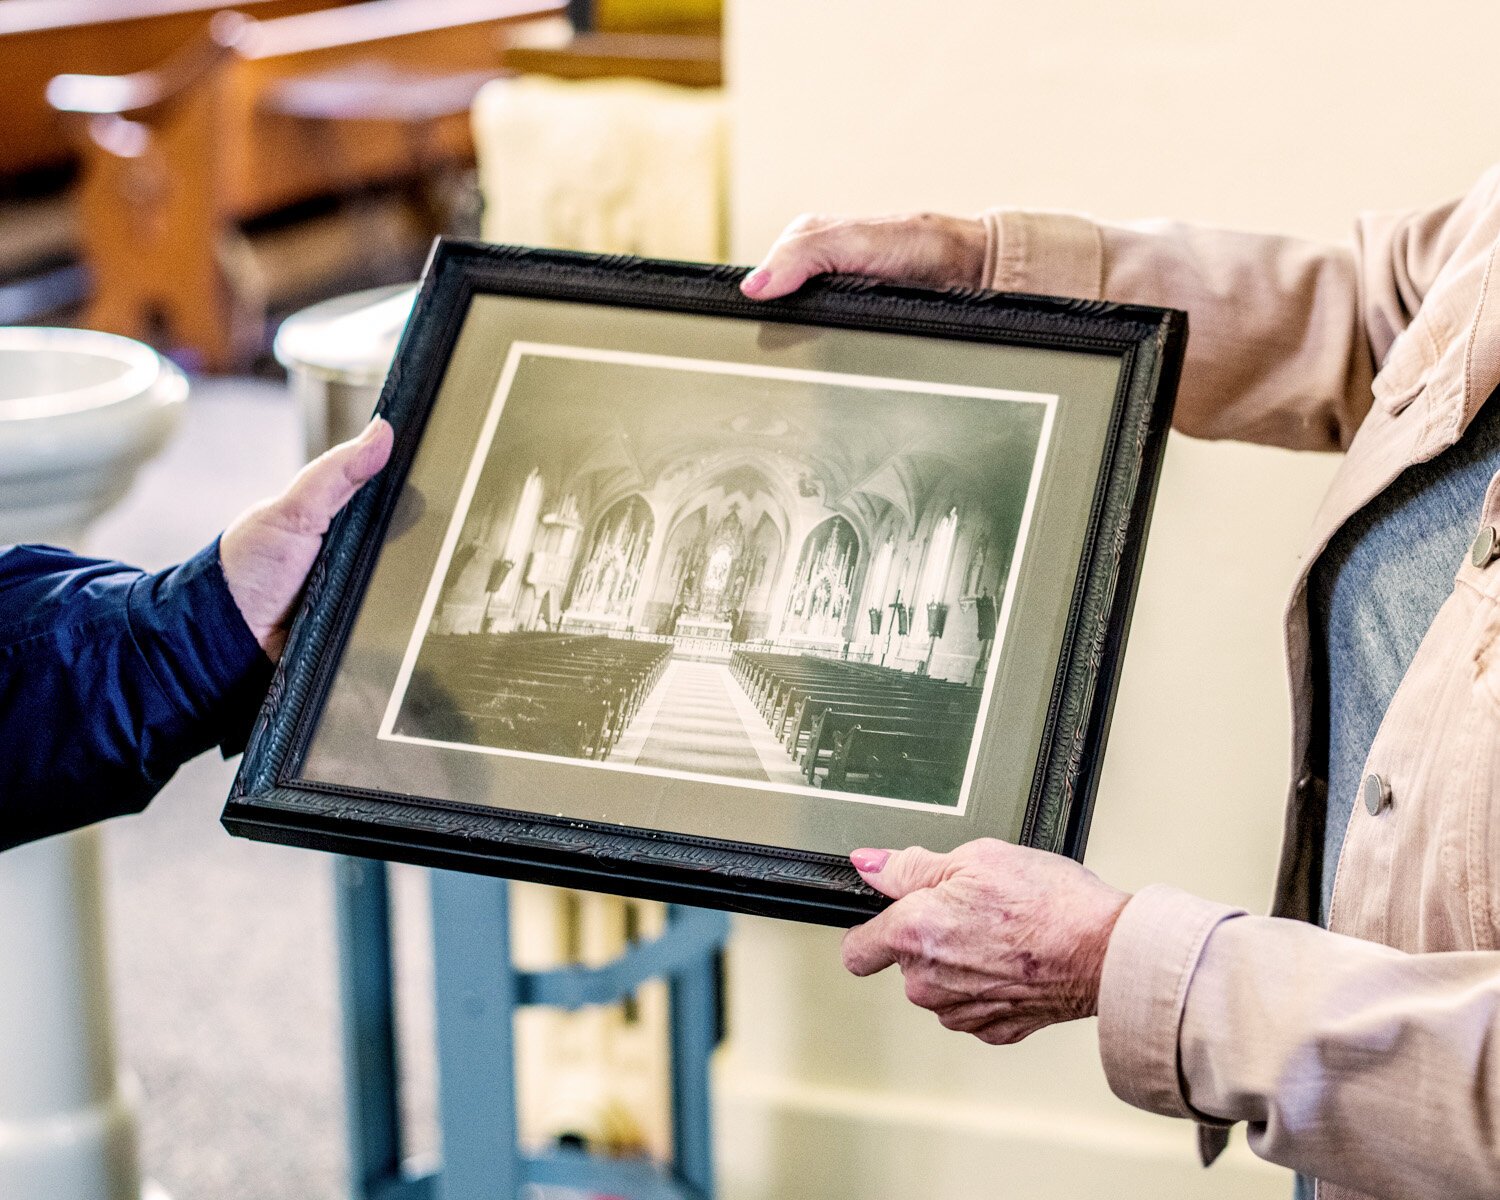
(860, 449)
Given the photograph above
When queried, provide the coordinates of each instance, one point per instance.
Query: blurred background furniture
(43, 38)
(264, 163)
(80, 413)
(686, 59)
(260, 116)
(337, 354)
(484, 1042)
(38, 161)
(612, 134)
(615, 166)
(705, 17)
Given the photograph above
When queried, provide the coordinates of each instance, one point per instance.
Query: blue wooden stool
(478, 992)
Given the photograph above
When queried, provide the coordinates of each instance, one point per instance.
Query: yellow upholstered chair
(615, 166)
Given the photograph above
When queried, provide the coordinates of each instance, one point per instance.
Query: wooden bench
(40, 38)
(564, 694)
(862, 727)
(798, 728)
(257, 116)
(769, 679)
(784, 699)
(911, 765)
(831, 734)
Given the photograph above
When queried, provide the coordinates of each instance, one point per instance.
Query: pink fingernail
(870, 862)
(755, 282)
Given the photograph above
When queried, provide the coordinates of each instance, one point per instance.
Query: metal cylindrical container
(337, 355)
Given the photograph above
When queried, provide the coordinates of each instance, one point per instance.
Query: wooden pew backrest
(405, 39)
(43, 38)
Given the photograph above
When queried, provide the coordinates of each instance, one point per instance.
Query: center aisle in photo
(698, 726)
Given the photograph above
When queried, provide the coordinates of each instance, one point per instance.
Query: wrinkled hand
(924, 248)
(997, 940)
(268, 551)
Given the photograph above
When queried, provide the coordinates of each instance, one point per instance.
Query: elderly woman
(1364, 1053)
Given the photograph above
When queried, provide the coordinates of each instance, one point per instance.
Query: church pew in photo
(790, 694)
(797, 730)
(42, 38)
(782, 685)
(581, 662)
(777, 684)
(832, 732)
(569, 725)
(559, 720)
(793, 718)
(549, 693)
(754, 670)
(769, 682)
(900, 764)
(600, 708)
(796, 695)
(762, 673)
(541, 719)
(618, 688)
(255, 117)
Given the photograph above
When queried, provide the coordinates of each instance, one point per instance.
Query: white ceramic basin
(80, 413)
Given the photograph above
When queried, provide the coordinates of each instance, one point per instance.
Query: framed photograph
(671, 594)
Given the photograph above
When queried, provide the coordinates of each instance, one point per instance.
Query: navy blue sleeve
(110, 679)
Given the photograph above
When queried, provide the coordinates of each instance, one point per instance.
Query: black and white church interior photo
(785, 577)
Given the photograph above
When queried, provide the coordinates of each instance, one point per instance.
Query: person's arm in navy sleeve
(111, 678)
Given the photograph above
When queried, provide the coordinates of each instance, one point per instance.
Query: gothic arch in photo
(819, 606)
(723, 556)
(610, 575)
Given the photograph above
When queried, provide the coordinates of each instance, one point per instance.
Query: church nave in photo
(754, 578)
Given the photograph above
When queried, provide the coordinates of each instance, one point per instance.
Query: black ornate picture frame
(671, 594)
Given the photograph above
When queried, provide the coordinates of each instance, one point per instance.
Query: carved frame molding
(270, 802)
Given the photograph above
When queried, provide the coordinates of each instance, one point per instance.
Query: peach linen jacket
(1367, 1056)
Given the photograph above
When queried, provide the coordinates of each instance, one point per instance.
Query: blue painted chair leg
(694, 1034)
(371, 1081)
(476, 1002)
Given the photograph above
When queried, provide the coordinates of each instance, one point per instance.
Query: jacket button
(1377, 795)
(1486, 547)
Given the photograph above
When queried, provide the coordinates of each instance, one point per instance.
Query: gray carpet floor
(222, 950)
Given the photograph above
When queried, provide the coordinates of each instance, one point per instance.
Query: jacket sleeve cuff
(1148, 969)
(1047, 254)
(187, 627)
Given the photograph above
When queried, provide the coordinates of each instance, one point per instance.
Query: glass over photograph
(792, 579)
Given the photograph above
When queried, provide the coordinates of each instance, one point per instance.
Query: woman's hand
(268, 551)
(926, 248)
(997, 940)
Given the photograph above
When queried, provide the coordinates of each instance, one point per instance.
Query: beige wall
(1278, 115)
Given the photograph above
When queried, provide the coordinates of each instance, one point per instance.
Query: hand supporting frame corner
(268, 551)
(997, 940)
